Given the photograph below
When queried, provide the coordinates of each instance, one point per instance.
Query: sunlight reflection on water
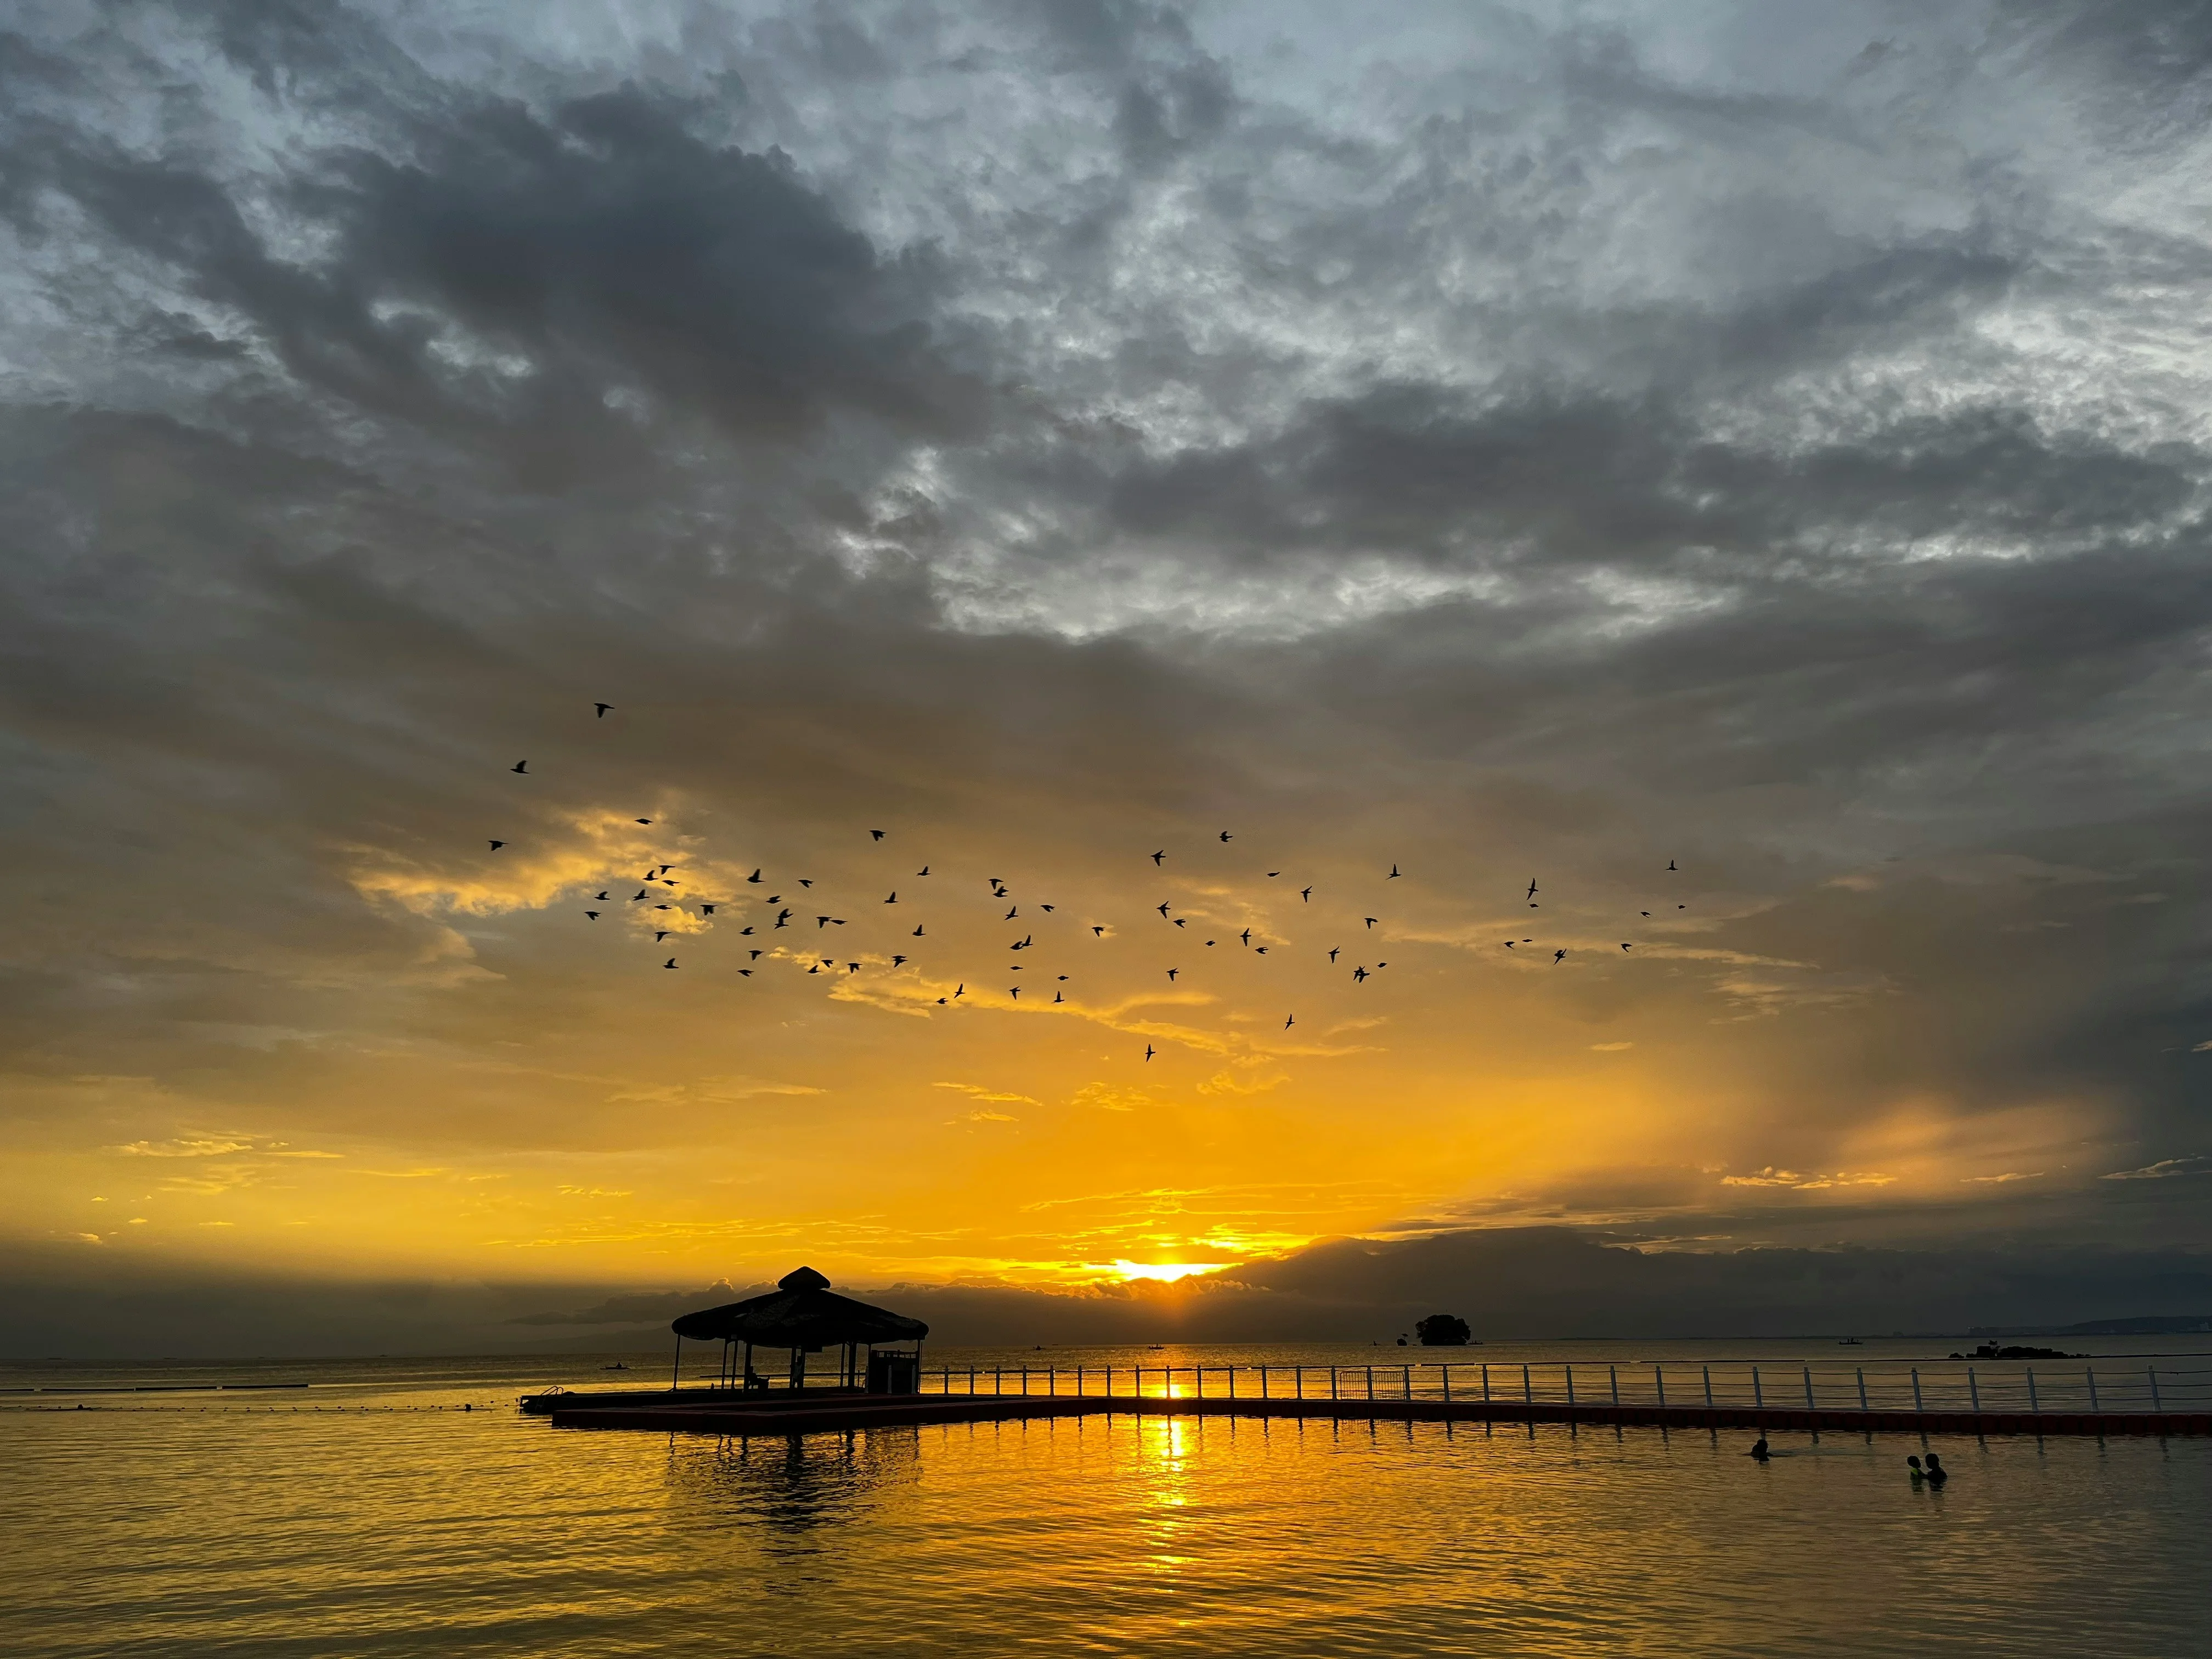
(284, 1532)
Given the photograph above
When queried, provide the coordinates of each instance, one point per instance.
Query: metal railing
(1881, 1386)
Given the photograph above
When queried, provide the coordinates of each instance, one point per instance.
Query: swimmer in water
(1759, 1450)
(1913, 1463)
(1936, 1473)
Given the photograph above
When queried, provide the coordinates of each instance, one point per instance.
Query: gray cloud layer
(1778, 434)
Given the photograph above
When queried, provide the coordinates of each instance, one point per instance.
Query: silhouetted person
(1919, 1476)
(1759, 1450)
(1936, 1473)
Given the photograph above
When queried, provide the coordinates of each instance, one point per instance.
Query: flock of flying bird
(658, 889)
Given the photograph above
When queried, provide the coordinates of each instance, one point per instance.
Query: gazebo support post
(676, 1377)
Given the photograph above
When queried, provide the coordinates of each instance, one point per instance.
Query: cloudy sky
(1496, 442)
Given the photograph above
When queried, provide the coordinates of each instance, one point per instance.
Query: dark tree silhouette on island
(1442, 1331)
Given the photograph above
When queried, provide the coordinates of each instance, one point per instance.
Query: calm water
(368, 1515)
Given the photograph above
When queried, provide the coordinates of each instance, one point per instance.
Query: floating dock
(828, 1411)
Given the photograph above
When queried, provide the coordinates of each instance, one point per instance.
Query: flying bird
(1015, 993)
(520, 766)
(1057, 997)
(640, 894)
(1624, 947)
(1172, 972)
(659, 936)
(1333, 951)
(1163, 909)
(602, 896)
(782, 918)
(878, 833)
(1371, 921)
(1305, 895)
(1509, 943)
(640, 820)
(923, 871)
(1246, 936)
(744, 973)
(1532, 887)
(1159, 855)
(602, 707)
(496, 845)
(1272, 874)
(1290, 1022)
(756, 876)
(893, 899)
(1670, 864)
(803, 882)
(820, 922)
(671, 963)
(1392, 876)
(1150, 1051)
(917, 933)
(1012, 913)
(852, 967)
(1098, 933)
(1179, 921)
(755, 955)
(1260, 950)
(706, 909)
(1225, 835)
(1047, 908)
(898, 960)
(1642, 913)
(959, 989)
(593, 914)
(1360, 975)
(1559, 956)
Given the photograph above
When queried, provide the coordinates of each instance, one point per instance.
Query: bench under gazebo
(804, 1316)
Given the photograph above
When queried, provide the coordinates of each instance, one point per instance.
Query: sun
(1166, 1273)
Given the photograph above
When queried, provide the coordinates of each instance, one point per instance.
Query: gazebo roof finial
(802, 1278)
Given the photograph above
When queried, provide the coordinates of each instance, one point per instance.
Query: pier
(1936, 1399)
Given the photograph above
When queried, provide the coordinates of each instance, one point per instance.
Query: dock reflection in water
(434, 1533)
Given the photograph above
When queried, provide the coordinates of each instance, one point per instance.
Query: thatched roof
(801, 1312)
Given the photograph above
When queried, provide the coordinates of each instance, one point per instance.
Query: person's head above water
(1914, 1463)
(1934, 1461)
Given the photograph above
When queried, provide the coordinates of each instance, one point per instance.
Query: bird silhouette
(1047, 908)
(1394, 873)
(671, 963)
(1225, 835)
(1259, 949)
(602, 707)
(1246, 936)
(1509, 943)
(1012, 913)
(1015, 993)
(744, 973)
(1360, 975)
(820, 922)
(803, 882)
(659, 936)
(602, 896)
(640, 820)
(1160, 856)
(1670, 864)
(1532, 887)
(756, 876)
(1098, 933)
(816, 968)
(1305, 895)
(1172, 972)
(1150, 1051)
(1178, 922)
(1559, 956)
(1057, 997)
(852, 967)
(1371, 921)
(923, 871)
(756, 955)
(917, 933)
(1163, 909)
(782, 919)
(898, 960)
(1624, 947)
(960, 989)
(1333, 949)
(1642, 913)
(1290, 1022)
(1272, 874)
(878, 833)
(706, 909)
(496, 845)
(593, 914)
(520, 766)
(893, 899)
(640, 894)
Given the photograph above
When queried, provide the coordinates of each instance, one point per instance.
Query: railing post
(1263, 1382)
(1406, 1380)
(2156, 1404)
(1918, 1408)
(1370, 1382)
(2090, 1373)
(2034, 1403)
(1809, 1406)
(1659, 1377)
(1233, 1381)
(1485, 1382)
(1973, 1391)
(1299, 1383)
(1052, 1380)
(1447, 1385)
(1862, 1398)
(1758, 1394)
(1708, 1371)
(1613, 1376)
(1527, 1389)
(1332, 1381)
(1570, 1369)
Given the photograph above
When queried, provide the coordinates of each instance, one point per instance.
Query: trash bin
(894, 1373)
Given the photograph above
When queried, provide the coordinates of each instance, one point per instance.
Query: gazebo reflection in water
(804, 1316)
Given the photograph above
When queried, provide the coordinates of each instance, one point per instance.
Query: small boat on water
(616, 1367)
(1850, 1342)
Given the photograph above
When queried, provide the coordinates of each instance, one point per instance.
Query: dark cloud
(1049, 425)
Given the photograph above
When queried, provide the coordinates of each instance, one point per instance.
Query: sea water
(369, 1514)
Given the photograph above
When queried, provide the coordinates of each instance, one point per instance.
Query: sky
(1740, 469)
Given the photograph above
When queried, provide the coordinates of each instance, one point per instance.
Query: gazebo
(805, 1315)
